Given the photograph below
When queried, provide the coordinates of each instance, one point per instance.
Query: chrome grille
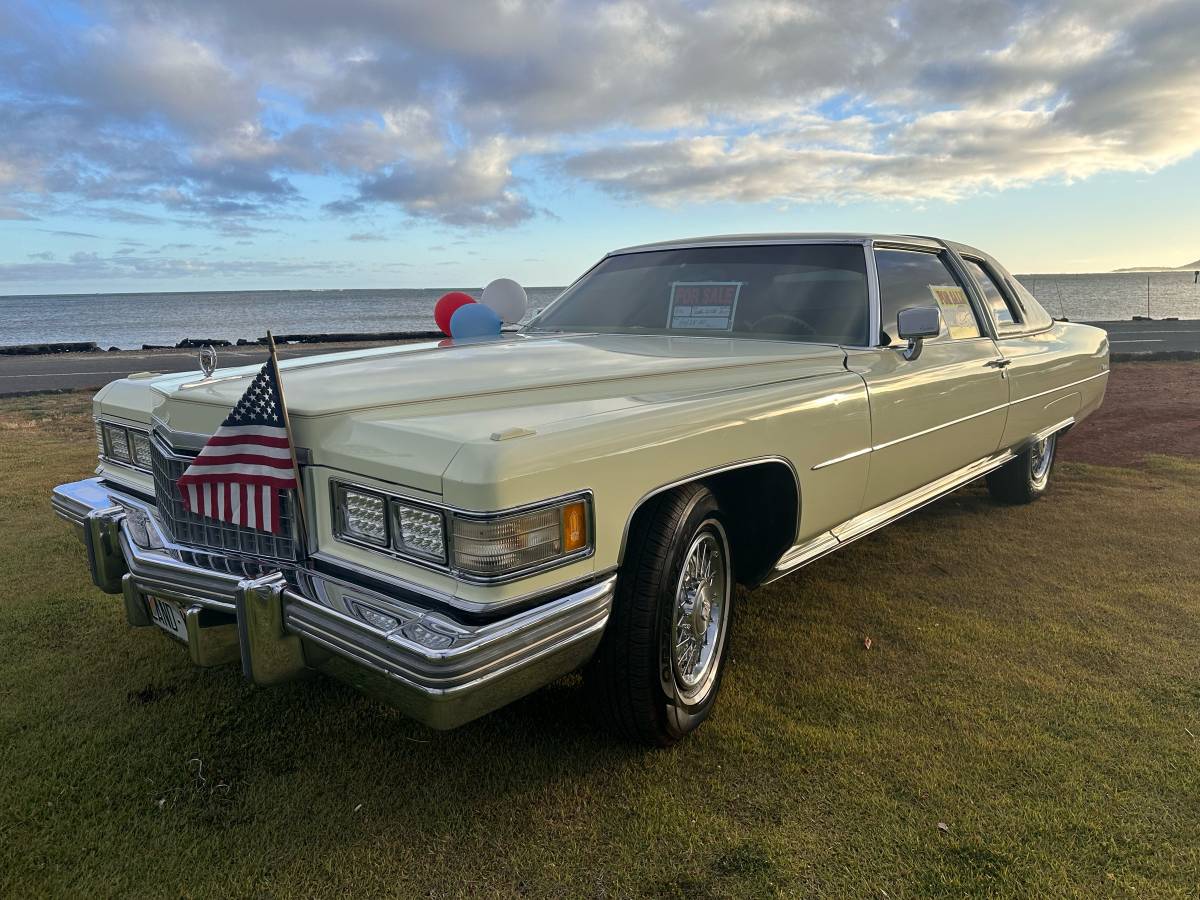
(188, 528)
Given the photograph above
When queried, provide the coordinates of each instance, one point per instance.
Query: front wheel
(1025, 478)
(656, 674)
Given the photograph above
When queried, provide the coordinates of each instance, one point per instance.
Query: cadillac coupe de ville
(485, 516)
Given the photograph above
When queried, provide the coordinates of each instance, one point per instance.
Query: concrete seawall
(197, 343)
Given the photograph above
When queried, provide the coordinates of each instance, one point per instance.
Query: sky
(250, 144)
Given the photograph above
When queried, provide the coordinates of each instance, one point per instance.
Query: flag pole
(287, 425)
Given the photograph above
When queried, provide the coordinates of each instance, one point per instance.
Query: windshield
(799, 292)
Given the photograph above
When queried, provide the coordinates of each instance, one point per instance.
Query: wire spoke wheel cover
(1040, 459)
(694, 638)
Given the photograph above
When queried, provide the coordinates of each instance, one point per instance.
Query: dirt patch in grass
(1031, 683)
(1149, 408)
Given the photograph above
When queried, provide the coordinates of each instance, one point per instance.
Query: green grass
(1032, 683)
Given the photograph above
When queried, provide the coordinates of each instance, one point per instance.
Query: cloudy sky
(298, 143)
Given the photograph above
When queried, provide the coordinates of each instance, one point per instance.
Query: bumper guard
(280, 623)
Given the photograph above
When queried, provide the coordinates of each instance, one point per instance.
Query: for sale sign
(703, 305)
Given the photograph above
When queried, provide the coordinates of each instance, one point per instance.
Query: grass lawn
(1033, 683)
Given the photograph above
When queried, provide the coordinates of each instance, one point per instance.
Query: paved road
(20, 374)
(1152, 336)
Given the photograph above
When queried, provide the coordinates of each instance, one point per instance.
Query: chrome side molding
(866, 522)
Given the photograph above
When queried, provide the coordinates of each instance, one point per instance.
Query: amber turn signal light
(574, 521)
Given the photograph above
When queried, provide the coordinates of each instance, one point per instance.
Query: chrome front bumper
(281, 623)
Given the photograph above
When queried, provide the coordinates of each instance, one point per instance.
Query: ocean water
(130, 320)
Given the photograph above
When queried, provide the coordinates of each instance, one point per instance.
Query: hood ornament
(208, 360)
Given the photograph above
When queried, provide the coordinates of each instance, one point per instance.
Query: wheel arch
(761, 498)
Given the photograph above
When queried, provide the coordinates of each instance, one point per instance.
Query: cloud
(126, 216)
(366, 236)
(474, 188)
(10, 214)
(126, 264)
(69, 234)
(226, 114)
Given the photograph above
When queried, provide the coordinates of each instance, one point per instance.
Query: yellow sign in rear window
(956, 310)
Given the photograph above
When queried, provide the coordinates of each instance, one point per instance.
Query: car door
(947, 407)
(1040, 355)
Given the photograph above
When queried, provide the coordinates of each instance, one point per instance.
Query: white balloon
(507, 299)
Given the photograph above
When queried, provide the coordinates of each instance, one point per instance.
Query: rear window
(1002, 311)
(815, 293)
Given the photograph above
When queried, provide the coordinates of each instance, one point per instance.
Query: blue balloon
(474, 320)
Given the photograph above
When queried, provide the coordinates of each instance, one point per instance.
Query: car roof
(802, 237)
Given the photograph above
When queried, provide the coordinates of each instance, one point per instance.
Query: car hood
(400, 413)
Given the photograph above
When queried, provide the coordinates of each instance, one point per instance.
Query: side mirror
(917, 323)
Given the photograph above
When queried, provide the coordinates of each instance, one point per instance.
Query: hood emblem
(208, 360)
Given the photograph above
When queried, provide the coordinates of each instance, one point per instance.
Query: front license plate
(168, 616)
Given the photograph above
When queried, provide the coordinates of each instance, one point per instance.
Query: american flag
(239, 474)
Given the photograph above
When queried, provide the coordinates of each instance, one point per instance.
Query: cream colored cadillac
(487, 516)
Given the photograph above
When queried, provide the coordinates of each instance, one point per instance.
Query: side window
(1002, 309)
(915, 278)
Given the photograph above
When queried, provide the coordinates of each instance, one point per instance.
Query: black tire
(1027, 477)
(632, 683)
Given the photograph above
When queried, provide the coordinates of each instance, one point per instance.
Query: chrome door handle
(998, 363)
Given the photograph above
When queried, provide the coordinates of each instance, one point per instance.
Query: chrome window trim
(876, 311)
(448, 511)
(733, 242)
(1002, 285)
(947, 257)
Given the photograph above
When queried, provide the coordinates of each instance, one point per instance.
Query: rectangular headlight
(418, 531)
(141, 449)
(481, 545)
(361, 515)
(500, 545)
(116, 440)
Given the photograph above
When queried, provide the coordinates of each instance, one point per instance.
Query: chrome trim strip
(866, 522)
(735, 241)
(194, 441)
(873, 519)
(804, 553)
(845, 456)
(875, 300)
(922, 433)
(469, 654)
(1061, 387)
(450, 600)
(917, 434)
(1053, 429)
(705, 473)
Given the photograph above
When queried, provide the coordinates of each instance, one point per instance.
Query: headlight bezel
(447, 562)
(111, 435)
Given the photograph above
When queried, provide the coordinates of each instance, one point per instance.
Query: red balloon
(446, 307)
